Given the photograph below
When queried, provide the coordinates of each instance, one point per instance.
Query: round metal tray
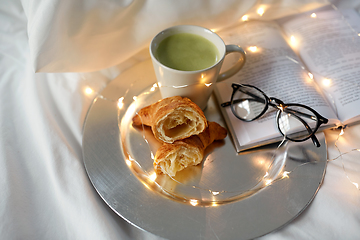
(228, 196)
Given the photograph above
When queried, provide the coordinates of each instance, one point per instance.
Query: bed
(56, 58)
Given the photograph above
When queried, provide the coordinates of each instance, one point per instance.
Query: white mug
(196, 85)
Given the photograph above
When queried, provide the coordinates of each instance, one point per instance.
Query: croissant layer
(172, 119)
(171, 158)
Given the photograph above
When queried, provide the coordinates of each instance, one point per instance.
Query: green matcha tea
(187, 52)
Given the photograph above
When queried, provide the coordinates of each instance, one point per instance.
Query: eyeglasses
(296, 122)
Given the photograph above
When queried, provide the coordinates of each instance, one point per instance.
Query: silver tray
(228, 196)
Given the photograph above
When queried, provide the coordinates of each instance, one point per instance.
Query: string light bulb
(285, 174)
(88, 91)
(311, 76)
(128, 162)
(268, 182)
(260, 11)
(121, 103)
(326, 82)
(293, 43)
(152, 89)
(341, 132)
(253, 48)
(215, 193)
(152, 177)
(194, 202)
(245, 18)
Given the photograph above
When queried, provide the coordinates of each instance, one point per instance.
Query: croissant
(172, 119)
(171, 158)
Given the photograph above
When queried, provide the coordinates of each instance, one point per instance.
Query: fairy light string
(326, 82)
(151, 177)
(341, 154)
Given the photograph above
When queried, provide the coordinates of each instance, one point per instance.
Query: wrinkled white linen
(89, 35)
(45, 192)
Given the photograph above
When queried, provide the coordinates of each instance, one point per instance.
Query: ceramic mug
(197, 84)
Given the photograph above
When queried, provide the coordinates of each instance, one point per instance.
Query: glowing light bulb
(215, 193)
(260, 11)
(285, 174)
(208, 84)
(341, 132)
(203, 78)
(293, 41)
(121, 103)
(153, 87)
(128, 162)
(245, 18)
(153, 177)
(313, 15)
(134, 98)
(88, 91)
(194, 202)
(253, 48)
(326, 82)
(311, 76)
(268, 182)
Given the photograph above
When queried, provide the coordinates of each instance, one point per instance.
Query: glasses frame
(282, 107)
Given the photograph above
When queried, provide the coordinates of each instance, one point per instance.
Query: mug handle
(238, 65)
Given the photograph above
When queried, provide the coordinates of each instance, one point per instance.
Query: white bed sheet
(45, 192)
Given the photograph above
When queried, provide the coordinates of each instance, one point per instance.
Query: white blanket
(74, 44)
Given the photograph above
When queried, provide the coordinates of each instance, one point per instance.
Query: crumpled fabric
(90, 35)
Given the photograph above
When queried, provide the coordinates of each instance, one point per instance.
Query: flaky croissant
(171, 158)
(172, 119)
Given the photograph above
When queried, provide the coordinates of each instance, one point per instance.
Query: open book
(312, 59)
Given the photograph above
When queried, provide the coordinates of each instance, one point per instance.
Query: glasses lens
(297, 123)
(248, 103)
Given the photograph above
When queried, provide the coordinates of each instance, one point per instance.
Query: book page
(329, 44)
(272, 66)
